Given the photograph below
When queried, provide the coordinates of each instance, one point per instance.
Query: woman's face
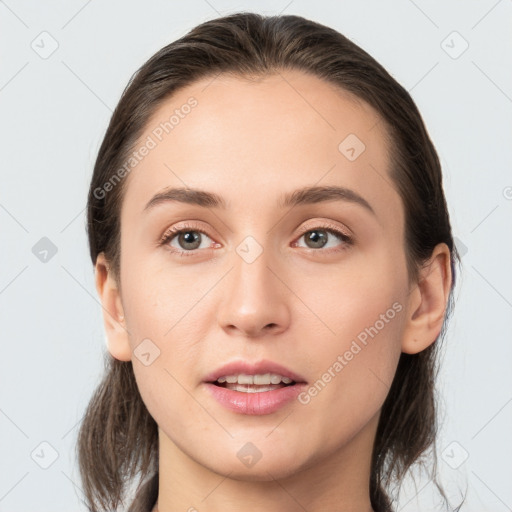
(262, 276)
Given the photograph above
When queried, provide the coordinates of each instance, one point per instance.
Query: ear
(113, 314)
(428, 301)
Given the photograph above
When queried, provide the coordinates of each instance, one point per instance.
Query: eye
(318, 238)
(188, 240)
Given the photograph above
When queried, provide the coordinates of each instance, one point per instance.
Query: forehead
(250, 140)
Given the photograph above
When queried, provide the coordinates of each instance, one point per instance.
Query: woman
(274, 257)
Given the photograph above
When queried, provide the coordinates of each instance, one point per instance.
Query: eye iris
(190, 237)
(315, 235)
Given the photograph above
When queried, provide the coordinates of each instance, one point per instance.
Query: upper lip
(249, 368)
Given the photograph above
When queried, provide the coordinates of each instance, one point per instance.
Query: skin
(249, 142)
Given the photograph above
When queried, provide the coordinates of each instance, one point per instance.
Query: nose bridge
(252, 261)
(255, 298)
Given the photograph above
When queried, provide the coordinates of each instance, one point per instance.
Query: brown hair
(118, 438)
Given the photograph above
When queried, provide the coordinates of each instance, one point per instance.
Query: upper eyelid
(327, 226)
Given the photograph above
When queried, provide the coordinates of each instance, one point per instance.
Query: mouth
(254, 388)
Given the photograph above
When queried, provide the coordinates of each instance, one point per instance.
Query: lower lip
(265, 402)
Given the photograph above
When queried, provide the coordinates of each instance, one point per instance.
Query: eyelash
(173, 232)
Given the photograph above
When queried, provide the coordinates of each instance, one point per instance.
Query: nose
(256, 298)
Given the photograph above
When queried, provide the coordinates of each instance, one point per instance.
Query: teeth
(265, 379)
(251, 389)
(260, 379)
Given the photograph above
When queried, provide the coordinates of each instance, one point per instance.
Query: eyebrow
(303, 196)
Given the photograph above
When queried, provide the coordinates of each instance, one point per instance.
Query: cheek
(158, 295)
(167, 316)
(357, 337)
(354, 295)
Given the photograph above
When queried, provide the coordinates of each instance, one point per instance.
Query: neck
(338, 481)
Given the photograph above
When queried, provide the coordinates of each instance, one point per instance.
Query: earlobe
(113, 315)
(428, 302)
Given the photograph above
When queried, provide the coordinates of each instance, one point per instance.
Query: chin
(267, 468)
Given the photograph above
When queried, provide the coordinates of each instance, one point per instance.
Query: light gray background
(54, 114)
